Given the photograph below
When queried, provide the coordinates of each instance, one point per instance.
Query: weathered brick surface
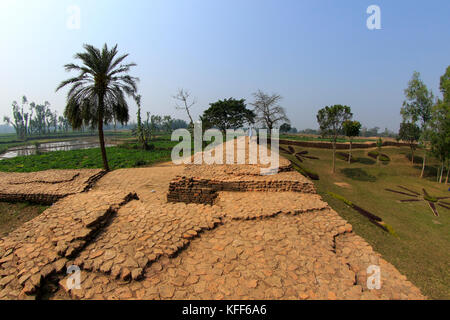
(263, 237)
(200, 185)
(46, 187)
(285, 257)
(43, 245)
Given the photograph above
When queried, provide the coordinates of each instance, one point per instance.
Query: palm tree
(97, 95)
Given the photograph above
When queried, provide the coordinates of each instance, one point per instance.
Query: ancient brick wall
(46, 187)
(192, 190)
(39, 198)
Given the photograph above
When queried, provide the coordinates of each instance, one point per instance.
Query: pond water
(50, 146)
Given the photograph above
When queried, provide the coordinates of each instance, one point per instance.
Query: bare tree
(268, 111)
(185, 103)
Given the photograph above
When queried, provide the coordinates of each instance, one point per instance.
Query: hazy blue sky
(314, 53)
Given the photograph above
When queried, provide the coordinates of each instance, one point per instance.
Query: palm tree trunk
(102, 144)
(100, 134)
(412, 156)
(442, 171)
(423, 164)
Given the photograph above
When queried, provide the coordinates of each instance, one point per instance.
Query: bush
(383, 157)
(130, 146)
(358, 174)
(149, 147)
(344, 156)
(137, 146)
(140, 163)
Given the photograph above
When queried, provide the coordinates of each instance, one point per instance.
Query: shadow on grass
(417, 159)
(358, 174)
(366, 161)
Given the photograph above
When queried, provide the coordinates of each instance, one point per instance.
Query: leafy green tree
(331, 120)
(228, 114)
(155, 123)
(444, 85)
(441, 112)
(97, 95)
(285, 127)
(179, 124)
(440, 136)
(167, 122)
(20, 117)
(351, 129)
(417, 107)
(410, 132)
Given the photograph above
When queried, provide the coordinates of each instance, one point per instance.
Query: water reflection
(50, 146)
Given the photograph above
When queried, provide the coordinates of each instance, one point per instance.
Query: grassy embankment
(125, 155)
(13, 215)
(421, 247)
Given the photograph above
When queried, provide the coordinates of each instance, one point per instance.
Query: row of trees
(233, 113)
(35, 119)
(97, 97)
(426, 121)
(335, 121)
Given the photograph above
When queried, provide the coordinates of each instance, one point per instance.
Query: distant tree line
(35, 119)
(233, 113)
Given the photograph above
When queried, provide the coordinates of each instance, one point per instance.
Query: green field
(10, 140)
(421, 249)
(126, 155)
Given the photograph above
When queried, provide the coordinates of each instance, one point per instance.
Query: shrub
(140, 163)
(383, 157)
(344, 156)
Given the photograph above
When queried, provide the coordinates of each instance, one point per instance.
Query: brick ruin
(46, 187)
(200, 190)
(201, 183)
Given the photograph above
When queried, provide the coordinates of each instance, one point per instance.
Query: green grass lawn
(421, 250)
(122, 156)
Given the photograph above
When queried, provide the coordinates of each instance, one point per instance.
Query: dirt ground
(13, 215)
